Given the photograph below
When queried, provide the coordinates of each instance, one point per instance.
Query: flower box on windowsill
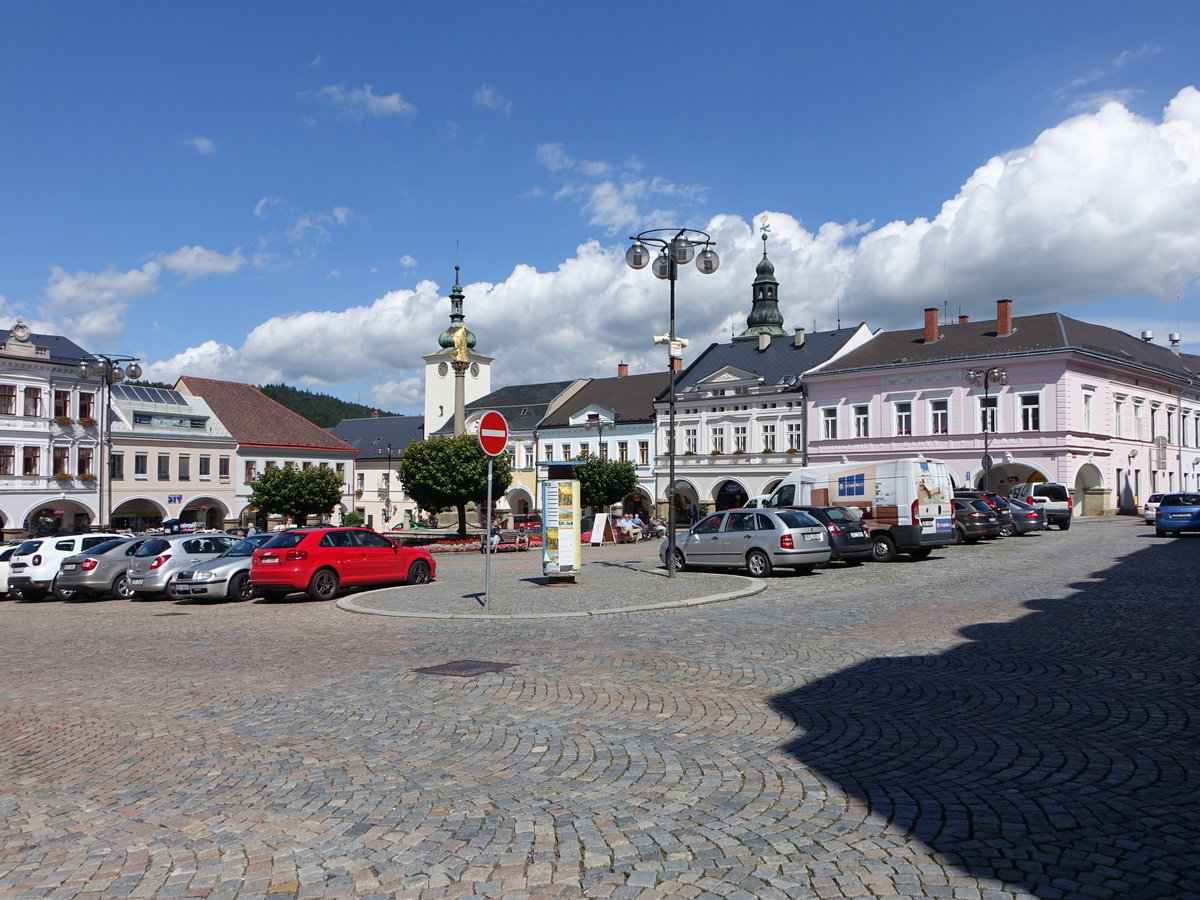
(87, 421)
(87, 476)
(61, 477)
(64, 420)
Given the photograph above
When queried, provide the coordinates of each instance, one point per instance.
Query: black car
(849, 538)
(999, 506)
(974, 520)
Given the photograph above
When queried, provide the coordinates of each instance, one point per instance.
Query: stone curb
(753, 586)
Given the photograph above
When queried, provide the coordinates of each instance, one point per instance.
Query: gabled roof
(522, 405)
(1041, 333)
(778, 364)
(59, 350)
(630, 397)
(371, 435)
(256, 420)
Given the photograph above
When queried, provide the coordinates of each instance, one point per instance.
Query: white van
(907, 504)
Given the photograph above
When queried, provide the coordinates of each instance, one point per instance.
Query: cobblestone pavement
(1015, 719)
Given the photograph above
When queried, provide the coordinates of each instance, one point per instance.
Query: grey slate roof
(522, 405)
(1041, 333)
(63, 351)
(399, 431)
(630, 397)
(781, 361)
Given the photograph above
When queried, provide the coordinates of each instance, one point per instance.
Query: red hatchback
(320, 560)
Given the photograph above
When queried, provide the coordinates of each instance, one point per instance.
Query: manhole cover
(464, 668)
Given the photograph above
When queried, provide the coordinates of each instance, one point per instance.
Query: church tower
(439, 368)
(765, 317)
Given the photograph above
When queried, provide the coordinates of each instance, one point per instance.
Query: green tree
(298, 493)
(448, 473)
(603, 482)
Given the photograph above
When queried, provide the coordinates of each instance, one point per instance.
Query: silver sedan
(227, 577)
(758, 540)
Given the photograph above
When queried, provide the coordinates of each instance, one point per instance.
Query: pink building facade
(1113, 417)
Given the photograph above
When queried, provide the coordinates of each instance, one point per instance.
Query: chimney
(1174, 338)
(1004, 325)
(1148, 336)
(764, 341)
(931, 324)
(799, 342)
(963, 320)
(622, 370)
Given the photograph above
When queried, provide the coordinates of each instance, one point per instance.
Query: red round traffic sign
(493, 433)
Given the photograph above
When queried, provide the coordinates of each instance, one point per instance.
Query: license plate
(266, 560)
(182, 590)
(812, 537)
(69, 568)
(858, 534)
(136, 581)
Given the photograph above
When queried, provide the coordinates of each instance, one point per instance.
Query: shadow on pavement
(1059, 752)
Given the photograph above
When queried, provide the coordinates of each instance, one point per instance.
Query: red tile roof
(258, 421)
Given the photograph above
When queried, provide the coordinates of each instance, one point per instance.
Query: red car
(322, 559)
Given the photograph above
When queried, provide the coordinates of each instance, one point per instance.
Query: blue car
(1177, 513)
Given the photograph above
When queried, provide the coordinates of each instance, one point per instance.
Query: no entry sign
(493, 433)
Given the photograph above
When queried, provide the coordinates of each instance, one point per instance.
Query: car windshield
(797, 518)
(153, 547)
(285, 540)
(1180, 500)
(106, 546)
(247, 545)
(841, 514)
(1053, 492)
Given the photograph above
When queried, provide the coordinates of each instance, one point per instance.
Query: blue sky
(280, 192)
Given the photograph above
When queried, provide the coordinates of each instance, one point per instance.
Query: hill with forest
(320, 409)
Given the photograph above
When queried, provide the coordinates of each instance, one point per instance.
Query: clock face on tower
(443, 369)
(474, 370)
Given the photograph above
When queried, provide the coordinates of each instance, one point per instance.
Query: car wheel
(680, 562)
(240, 587)
(1064, 524)
(758, 563)
(960, 536)
(883, 549)
(1007, 531)
(121, 589)
(418, 572)
(29, 595)
(64, 593)
(324, 585)
(923, 553)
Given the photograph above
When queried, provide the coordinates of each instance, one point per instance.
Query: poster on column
(560, 529)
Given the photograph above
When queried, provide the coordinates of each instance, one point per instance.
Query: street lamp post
(986, 378)
(673, 252)
(108, 369)
(385, 492)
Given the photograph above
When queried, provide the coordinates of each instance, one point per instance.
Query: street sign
(493, 433)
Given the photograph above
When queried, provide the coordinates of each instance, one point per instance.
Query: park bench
(509, 540)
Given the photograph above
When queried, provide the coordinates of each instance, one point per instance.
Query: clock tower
(440, 367)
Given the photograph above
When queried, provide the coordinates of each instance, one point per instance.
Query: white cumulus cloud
(359, 103)
(196, 261)
(89, 307)
(1102, 205)
(202, 145)
(489, 97)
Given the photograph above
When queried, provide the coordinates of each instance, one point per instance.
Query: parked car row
(209, 565)
(762, 539)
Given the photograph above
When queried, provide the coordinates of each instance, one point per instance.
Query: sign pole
(487, 563)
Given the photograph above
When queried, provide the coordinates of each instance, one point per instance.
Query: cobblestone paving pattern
(1015, 719)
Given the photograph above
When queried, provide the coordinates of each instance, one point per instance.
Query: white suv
(34, 566)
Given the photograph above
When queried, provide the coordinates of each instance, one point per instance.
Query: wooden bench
(509, 540)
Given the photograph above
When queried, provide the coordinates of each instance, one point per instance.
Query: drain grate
(465, 668)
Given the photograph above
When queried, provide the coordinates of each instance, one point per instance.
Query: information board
(561, 552)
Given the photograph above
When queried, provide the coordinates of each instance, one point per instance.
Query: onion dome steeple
(446, 338)
(765, 317)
